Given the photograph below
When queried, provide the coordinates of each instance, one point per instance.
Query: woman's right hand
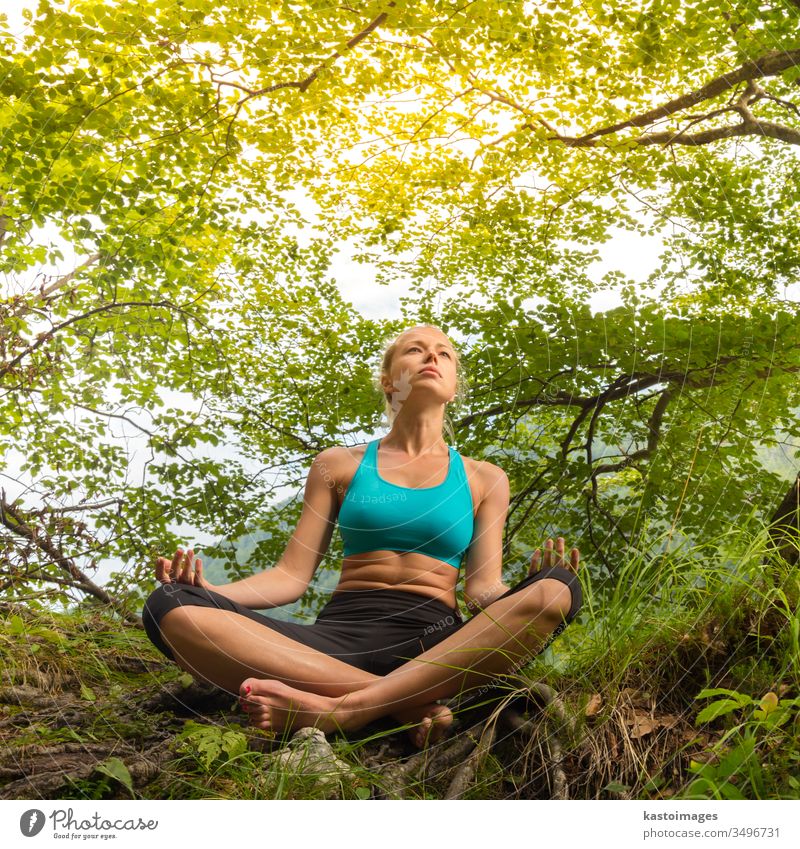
(182, 569)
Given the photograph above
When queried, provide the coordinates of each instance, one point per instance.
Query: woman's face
(423, 359)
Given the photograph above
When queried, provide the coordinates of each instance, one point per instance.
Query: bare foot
(275, 706)
(434, 720)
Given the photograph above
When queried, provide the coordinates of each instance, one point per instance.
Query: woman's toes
(422, 731)
(432, 727)
(259, 717)
(246, 687)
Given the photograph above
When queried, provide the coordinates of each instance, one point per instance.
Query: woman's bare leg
(505, 635)
(225, 648)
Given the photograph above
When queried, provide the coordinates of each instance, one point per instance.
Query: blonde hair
(462, 384)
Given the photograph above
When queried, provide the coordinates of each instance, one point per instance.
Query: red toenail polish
(247, 689)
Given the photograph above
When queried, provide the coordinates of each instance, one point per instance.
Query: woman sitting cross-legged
(390, 640)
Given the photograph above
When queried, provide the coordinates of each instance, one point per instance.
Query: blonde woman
(391, 640)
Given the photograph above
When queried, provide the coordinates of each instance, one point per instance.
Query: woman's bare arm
(289, 578)
(483, 572)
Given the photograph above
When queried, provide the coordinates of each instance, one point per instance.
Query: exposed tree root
(32, 696)
(465, 774)
(479, 727)
(51, 768)
(455, 754)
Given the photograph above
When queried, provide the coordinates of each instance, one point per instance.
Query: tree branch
(769, 65)
(15, 522)
(44, 337)
(654, 434)
(22, 307)
(300, 85)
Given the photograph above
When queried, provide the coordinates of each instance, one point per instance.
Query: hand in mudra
(554, 556)
(182, 569)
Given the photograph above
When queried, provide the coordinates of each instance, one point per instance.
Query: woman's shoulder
(336, 453)
(485, 474)
(482, 467)
(341, 460)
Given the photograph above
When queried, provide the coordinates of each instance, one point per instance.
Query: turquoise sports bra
(377, 515)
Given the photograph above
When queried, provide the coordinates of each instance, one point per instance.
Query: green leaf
(234, 743)
(737, 756)
(730, 791)
(717, 709)
(88, 693)
(700, 788)
(741, 698)
(616, 787)
(702, 768)
(115, 768)
(50, 636)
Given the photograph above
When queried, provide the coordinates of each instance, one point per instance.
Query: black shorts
(374, 630)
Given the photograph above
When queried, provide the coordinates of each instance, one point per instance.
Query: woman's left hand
(182, 569)
(555, 557)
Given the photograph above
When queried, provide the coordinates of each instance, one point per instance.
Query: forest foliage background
(197, 353)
